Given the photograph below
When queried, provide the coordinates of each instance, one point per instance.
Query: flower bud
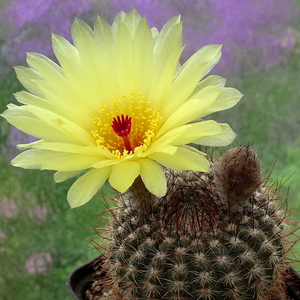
(237, 176)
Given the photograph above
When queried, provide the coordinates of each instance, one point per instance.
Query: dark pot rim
(80, 279)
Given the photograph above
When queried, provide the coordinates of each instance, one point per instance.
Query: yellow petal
(27, 78)
(189, 75)
(143, 49)
(69, 59)
(163, 74)
(227, 98)
(26, 98)
(46, 68)
(168, 39)
(69, 148)
(169, 149)
(65, 103)
(67, 56)
(62, 123)
(81, 30)
(131, 20)
(53, 90)
(170, 136)
(28, 123)
(50, 160)
(61, 176)
(153, 177)
(59, 101)
(105, 163)
(103, 35)
(185, 158)
(123, 175)
(124, 61)
(192, 109)
(167, 49)
(86, 186)
(96, 75)
(198, 130)
(223, 138)
(209, 80)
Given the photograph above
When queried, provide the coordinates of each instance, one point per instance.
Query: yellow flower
(119, 105)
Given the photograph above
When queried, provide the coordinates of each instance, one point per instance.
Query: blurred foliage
(289, 177)
(63, 232)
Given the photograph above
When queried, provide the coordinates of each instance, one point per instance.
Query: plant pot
(82, 278)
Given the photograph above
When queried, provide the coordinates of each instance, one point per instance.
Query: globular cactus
(217, 235)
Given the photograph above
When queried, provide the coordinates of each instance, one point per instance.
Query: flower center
(126, 125)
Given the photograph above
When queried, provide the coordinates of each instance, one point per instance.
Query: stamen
(122, 126)
(126, 126)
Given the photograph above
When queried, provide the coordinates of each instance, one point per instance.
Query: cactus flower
(118, 105)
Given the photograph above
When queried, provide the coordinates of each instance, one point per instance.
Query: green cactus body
(190, 245)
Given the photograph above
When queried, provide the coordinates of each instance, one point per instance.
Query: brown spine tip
(237, 175)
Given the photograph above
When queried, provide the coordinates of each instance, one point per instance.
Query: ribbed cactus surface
(194, 243)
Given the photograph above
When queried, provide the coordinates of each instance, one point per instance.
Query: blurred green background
(42, 240)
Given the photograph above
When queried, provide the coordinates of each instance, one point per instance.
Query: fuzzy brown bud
(237, 176)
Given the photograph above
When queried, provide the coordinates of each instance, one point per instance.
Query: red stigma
(121, 125)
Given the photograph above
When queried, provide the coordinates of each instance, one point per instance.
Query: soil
(98, 292)
(99, 289)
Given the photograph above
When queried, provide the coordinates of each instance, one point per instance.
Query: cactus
(217, 235)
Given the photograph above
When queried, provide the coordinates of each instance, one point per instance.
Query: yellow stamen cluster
(145, 123)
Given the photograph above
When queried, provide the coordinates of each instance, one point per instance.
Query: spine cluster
(203, 240)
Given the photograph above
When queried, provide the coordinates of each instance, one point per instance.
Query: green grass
(64, 233)
(266, 118)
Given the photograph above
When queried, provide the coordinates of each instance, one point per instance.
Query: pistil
(121, 125)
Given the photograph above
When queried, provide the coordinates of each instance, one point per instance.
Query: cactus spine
(217, 235)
